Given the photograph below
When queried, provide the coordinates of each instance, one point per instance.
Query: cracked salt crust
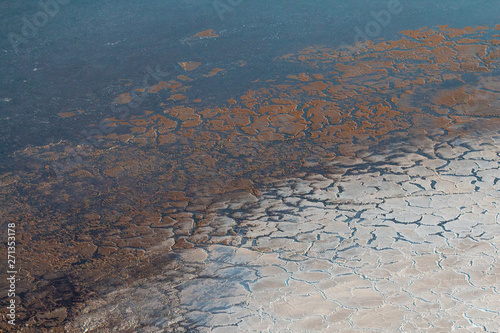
(367, 259)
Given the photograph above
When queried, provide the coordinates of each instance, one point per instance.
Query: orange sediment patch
(355, 70)
(70, 114)
(418, 34)
(315, 86)
(123, 98)
(288, 124)
(189, 65)
(451, 32)
(302, 77)
(156, 88)
(206, 34)
(175, 86)
(234, 120)
(176, 97)
(214, 72)
(66, 114)
(184, 78)
(167, 139)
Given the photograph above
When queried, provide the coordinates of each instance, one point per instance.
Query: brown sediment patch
(214, 72)
(156, 88)
(184, 78)
(189, 65)
(301, 77)
(67, 114)
(450, 98)
(205, 34)
(123, 98)
(176, 97)
(176, 86)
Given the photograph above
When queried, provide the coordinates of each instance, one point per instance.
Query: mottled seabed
(360, 195)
